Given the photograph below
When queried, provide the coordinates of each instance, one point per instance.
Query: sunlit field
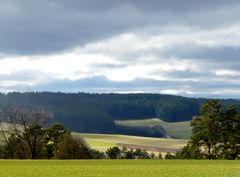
(181, 130)
(103, 141)
(119, 168)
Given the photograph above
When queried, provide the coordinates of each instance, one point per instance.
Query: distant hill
(179, 130)
(96, 113)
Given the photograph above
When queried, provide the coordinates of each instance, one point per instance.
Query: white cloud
(227, 73)
(133, 56)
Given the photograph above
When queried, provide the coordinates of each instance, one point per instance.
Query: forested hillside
(96, 113)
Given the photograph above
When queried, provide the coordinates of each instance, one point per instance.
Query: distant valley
(150, 115)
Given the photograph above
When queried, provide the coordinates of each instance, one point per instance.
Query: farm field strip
(119, 168)
(174, 129)
(104, 141)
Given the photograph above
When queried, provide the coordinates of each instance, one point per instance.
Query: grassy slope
(174, 129)
(119, 168)
(103, 141)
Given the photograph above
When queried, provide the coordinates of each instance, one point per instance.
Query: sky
(188, 47)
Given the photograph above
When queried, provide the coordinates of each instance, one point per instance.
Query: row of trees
(215, 133)
(124, 153)
(24, 135)
(96, 113)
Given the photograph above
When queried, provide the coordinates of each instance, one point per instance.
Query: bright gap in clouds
(185, 63)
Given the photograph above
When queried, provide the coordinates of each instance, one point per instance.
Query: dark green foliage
(128, 154)
(34, 136)
(53, 137)
(215, 133)
(147, 131)
(173, 109)
(95, 113)
(16, 148)
(95, 154)
(49, 150)
(73, 148)
(141, 154)
(152, 156)
(170, 156)
(124, 153)
(160, 155)
(206, 128)
(114, 152)
(229, 146)
(24, 137)
(69, 147)
(189, 151)
(24, 130)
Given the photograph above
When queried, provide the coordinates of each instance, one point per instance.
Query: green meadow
(118, 168)
(181, 130)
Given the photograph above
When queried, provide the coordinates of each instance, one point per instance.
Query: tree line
(95, 113)
(25, 133)
(215, 133)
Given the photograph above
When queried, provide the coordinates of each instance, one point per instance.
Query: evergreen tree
(230, 134)
(206, 127)
(215, 133)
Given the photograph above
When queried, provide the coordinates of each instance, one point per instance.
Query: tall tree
(206, 127)
(53, 137)
(230, 133)
(217, 130)
(73, 147)
(27, 126)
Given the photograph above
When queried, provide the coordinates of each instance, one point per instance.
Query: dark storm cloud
(186, 47)
(37, 27)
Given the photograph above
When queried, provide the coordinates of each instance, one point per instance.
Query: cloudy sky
(187, 47)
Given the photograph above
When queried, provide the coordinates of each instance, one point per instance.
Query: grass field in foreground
(119, 168)
(103, 141)
(180, 130)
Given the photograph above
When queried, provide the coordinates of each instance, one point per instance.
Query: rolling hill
(180, 130)
(103, 141)
(97, 113)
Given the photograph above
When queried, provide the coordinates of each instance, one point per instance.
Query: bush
(95, 154)
(73, 148)
(160, 155)
(141, 154)
(170, 156)
(114, 152)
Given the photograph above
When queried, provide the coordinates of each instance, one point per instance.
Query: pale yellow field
(104, 141)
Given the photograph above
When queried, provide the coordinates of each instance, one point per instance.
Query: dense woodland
(26, 136)
(215, 135)
(96, 113)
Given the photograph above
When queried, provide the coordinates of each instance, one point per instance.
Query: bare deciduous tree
(25, 125)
